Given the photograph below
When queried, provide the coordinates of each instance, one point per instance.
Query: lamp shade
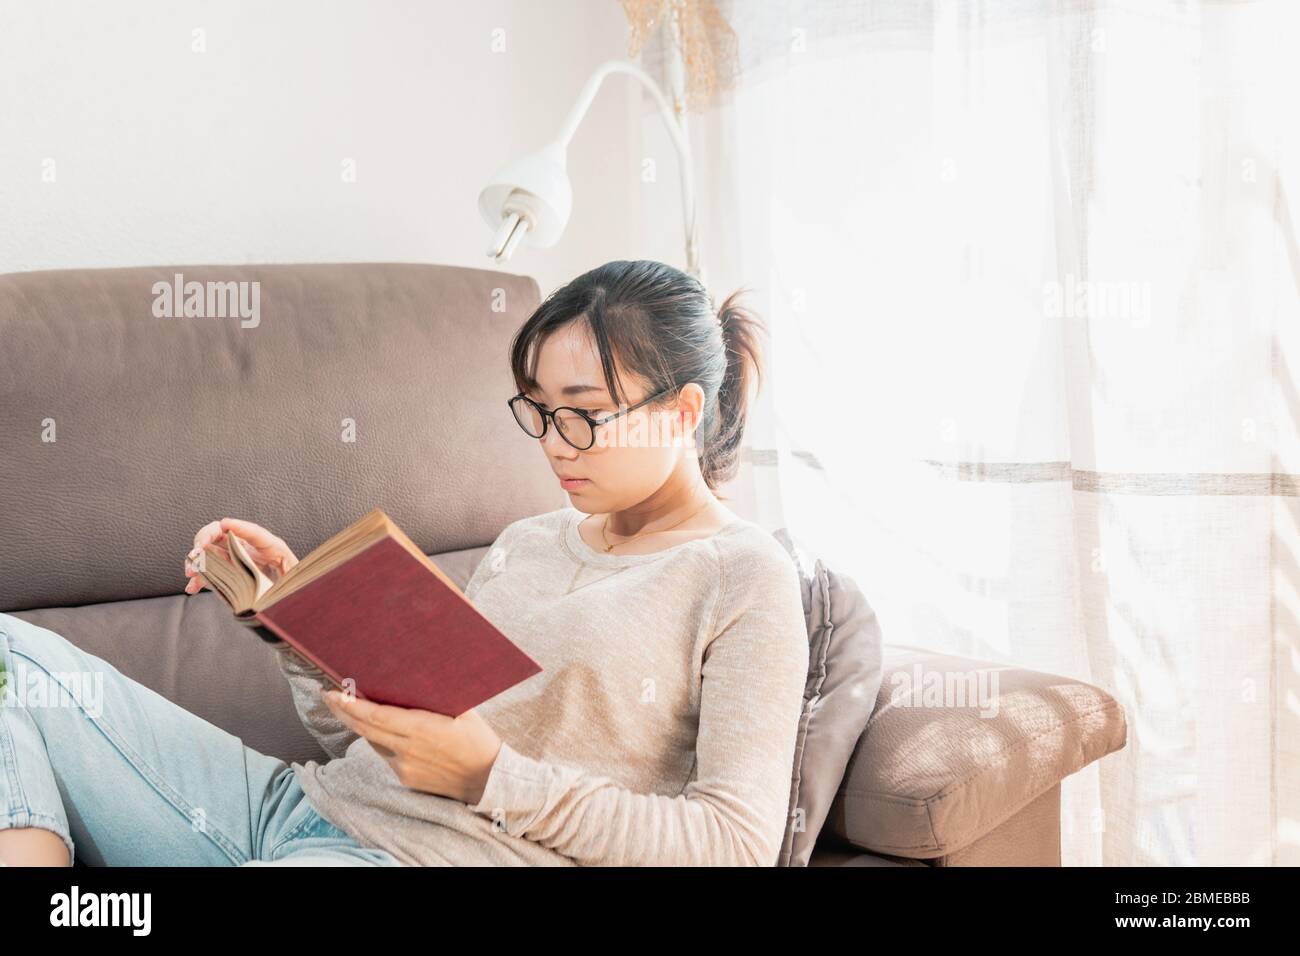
(536, 187)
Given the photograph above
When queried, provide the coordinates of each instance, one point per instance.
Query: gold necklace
(610, 547)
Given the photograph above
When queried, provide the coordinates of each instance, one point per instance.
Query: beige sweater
(661, 730)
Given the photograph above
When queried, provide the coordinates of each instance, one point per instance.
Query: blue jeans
(128, 778)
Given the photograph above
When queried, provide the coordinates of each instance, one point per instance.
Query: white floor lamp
(528, 200)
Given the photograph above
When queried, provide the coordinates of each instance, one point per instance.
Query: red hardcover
(403, 634)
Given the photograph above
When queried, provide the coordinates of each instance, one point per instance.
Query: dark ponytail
(741, 336)
(661, 325)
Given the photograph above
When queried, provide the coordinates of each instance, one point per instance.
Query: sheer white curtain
(1033, 279)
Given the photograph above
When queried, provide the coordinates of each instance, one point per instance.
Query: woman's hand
(268, 552)
(433, 753)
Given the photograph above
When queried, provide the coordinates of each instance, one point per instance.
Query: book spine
(260, 629)
(270, 635)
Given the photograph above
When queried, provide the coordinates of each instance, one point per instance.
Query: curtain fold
(1032, 276)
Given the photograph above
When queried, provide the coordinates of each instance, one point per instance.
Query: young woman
(670, 631)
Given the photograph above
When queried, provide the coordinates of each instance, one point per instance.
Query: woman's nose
(556, 446)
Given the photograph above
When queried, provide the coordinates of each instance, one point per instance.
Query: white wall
(165, 155)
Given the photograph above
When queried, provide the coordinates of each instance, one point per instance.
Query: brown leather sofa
(127, 423)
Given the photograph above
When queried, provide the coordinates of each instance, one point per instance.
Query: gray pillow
(844, 675)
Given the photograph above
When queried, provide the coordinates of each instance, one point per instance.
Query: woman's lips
(570, 483)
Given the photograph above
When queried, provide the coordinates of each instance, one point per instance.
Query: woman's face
(633, 455)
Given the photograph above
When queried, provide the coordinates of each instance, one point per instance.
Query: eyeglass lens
(573, 427)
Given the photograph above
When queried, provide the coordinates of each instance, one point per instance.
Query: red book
(368, 606)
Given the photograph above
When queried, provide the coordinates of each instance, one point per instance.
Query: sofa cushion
(957, 746)
(844, 675)
(124, 431)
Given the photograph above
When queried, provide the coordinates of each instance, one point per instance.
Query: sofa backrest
(298, 396)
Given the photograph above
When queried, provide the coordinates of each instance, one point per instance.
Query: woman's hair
(661, 325)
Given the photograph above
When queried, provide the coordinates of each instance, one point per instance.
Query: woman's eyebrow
(570, 390)
(580, 389)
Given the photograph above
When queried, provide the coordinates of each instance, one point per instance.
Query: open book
(368, 606)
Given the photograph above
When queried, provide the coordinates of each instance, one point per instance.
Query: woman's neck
(694, 505)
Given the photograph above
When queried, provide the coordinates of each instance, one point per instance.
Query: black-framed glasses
(574, 425)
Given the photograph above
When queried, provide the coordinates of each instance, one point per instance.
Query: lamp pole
(676, 131)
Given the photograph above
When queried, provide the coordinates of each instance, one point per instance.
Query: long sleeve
(734, 812)
(306, 681)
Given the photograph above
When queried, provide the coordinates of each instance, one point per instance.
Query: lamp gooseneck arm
(579, 110)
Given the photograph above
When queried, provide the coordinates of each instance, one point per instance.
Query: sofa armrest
(957, 746)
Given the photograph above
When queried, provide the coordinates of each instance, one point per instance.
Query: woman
(670, 632)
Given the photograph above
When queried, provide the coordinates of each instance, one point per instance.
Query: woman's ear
(690, 408)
